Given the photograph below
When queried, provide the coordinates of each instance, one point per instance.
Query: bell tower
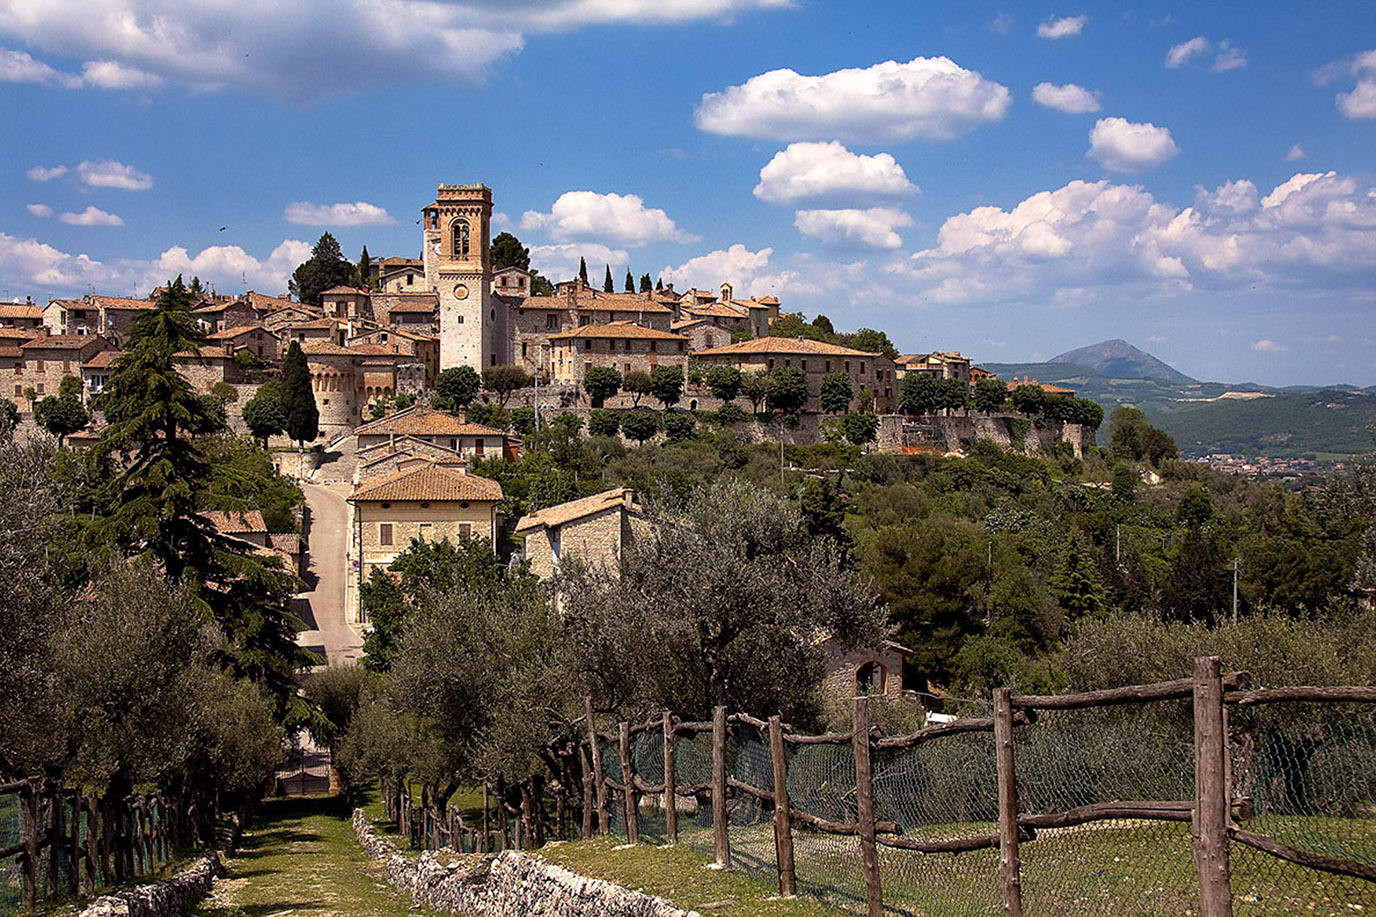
(456, 237)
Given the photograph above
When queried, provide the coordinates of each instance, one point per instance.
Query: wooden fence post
(864, 805)
(629, 798)
(1210, 820)
(783, 826)
(604, 817)
(73, 841)
(670, 780)
(585, 828)
(92, 856)
(487, 824)
(721, 837)
(29, 878)
(1010, 864)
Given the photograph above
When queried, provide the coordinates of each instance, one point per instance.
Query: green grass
(300, 857)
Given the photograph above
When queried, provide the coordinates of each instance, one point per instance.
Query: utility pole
(536, 375)
(1236, 560)
(1118, 544)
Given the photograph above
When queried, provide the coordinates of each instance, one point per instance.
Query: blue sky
(1008, 180)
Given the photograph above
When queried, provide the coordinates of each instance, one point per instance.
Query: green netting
(10, 891)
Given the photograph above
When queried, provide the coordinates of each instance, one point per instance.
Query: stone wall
(510, 884)
(898, 433)
(172, 898)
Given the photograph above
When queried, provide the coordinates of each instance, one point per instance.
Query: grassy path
(301, 859)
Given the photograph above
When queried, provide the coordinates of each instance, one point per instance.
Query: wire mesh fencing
(1092, 804)
(11, 881)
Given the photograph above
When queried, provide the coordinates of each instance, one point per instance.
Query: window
(828, 366)
(478, 446)
(769, 364)
(384, 534)
(652, 347)
(587, 367)
(551, 322)
(802, 364)
(18, 391)
(40, 388)
(465, 529)
(410, 280)
(848, 366)
(40, 366)
(427, 530)
(523, 348)
(460, 230)
(460, 320)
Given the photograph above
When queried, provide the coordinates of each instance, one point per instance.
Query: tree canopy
(326, 267)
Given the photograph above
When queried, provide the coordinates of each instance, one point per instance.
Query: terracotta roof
(313, 323)
(389, 262)
(61, 342)
(103, 360)
(423, 420)
(235, 332)
(690, 322)
(285, 542)
(260, 302)
(791, 346)
(617, 330)
(342, 288)
(552, 516)
(18, 334)
(213, 307)
(8, 351)
(718, 310)
(329, 348)
(20, 310)
(236, 523)
(122, 302)
(429, 482)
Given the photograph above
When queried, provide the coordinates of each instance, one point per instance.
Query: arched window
(460, 228)
(869, 679)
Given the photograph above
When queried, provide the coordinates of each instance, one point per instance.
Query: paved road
(322, 608)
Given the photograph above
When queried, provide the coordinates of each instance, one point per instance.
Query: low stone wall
(172, 898)
(509, 884)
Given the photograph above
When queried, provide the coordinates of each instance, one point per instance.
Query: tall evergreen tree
(659, 284)
(646, 285)
(298, 397)
(363, 273)
(630, 281)
(325, 268)
(152, 506)
(607, 286)
(507, 251)
(583, 271)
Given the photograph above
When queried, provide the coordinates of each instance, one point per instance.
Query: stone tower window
(461, 242)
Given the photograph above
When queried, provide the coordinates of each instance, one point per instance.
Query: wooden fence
(70, 842)
(1216, 815)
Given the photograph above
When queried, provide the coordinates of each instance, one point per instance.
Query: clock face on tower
(460, 291)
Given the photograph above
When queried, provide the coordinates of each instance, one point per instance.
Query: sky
(1010, 180)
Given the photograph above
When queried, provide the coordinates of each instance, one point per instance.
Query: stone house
(417, 348)
(440, 428)
(427, 502)
(25, 316)
(864, 670)
(401, 453)
(346, 302)
(218, 316)
(45, 360)
(869, 372)
(593, 529)
(255, 339)
(941, 365)
(534, 320)
(398, 275)
(623, 346)
(702, 334)
(418, 313)
(511, 281)
(211, 365)
(313, 331)
(95, 372)
(347, 379)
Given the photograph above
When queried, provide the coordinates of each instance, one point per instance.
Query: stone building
(864, 670)
(415, 312)
(398, 275)
(417, 348)
(594, 529)
(440, 428)
(25, 316)
(456, 230)
(215, 317)
(347, 379)
(941, 365)
(702, 334)
(534, 320)
(344, 302)
(426, 502)
(511, 281)
(869, 372)
(403, 452)
(46, 359)
(211, 365)
(255, 339)
(312, 331)
(95, 372)
(624, 346)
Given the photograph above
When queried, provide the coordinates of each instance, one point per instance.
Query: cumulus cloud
(51, 271)
(292, 50)
(91, 216)
(42, 173)
(818, 171)
(749, 273)
(20, 67)
(928, 98)
(1296, 152)
(111, 174)
(623, 218)
(1313, 232)
(1269, 346)
(1360, 103)
(40, 210)
(1181, 54)
(1066, 27)
(1127, 146)
(108, 74)
(1070, 98)
(873, 227)
(1229, 58)
(359, 213)
(560, 262)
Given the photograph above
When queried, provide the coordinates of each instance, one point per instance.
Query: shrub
(731, 413)
(679, 426)
(604, 422)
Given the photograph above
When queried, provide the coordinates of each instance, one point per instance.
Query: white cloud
(40, 210)
(111, 174)
(1229, 58)
(359, 213)
(296, 50)
(42, 173)
(928, 98)
(749, 273)
(1313, 233)
(1126, 146)
(622, 218)
(1296, 152)
(1268, 346)
(813, 171)
(560, 262)
(1066, 27)
(873, 227)
(1360, 103)
(48, 270)
(108, 74)
(19, 67)
(1002, 24)
(1181, 54)
(91, 216)
(1070, 98)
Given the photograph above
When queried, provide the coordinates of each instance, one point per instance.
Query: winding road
(323, 606)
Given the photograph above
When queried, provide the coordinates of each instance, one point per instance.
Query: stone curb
(171, 898)
(509, 884)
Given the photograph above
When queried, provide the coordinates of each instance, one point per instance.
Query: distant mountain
(1118, 359)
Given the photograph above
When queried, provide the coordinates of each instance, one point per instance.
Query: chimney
(628, 496)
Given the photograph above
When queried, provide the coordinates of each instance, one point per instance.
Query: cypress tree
(630, 281)
(645, 283)
(298, 398)
(361, 280)
(659, 284)
(583, 271)
(607, 286)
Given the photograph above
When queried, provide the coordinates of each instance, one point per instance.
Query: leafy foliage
(601, 383)
(835, 393)
(297, 395)
(326, 267)
(666, 384)
(788, 389)
(263, 413)
(505, 379)
(724, 381)
(459, 384)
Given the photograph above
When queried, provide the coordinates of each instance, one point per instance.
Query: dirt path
(301, 859)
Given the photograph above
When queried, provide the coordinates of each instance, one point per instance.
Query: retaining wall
(509, 884)
(172, 898)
